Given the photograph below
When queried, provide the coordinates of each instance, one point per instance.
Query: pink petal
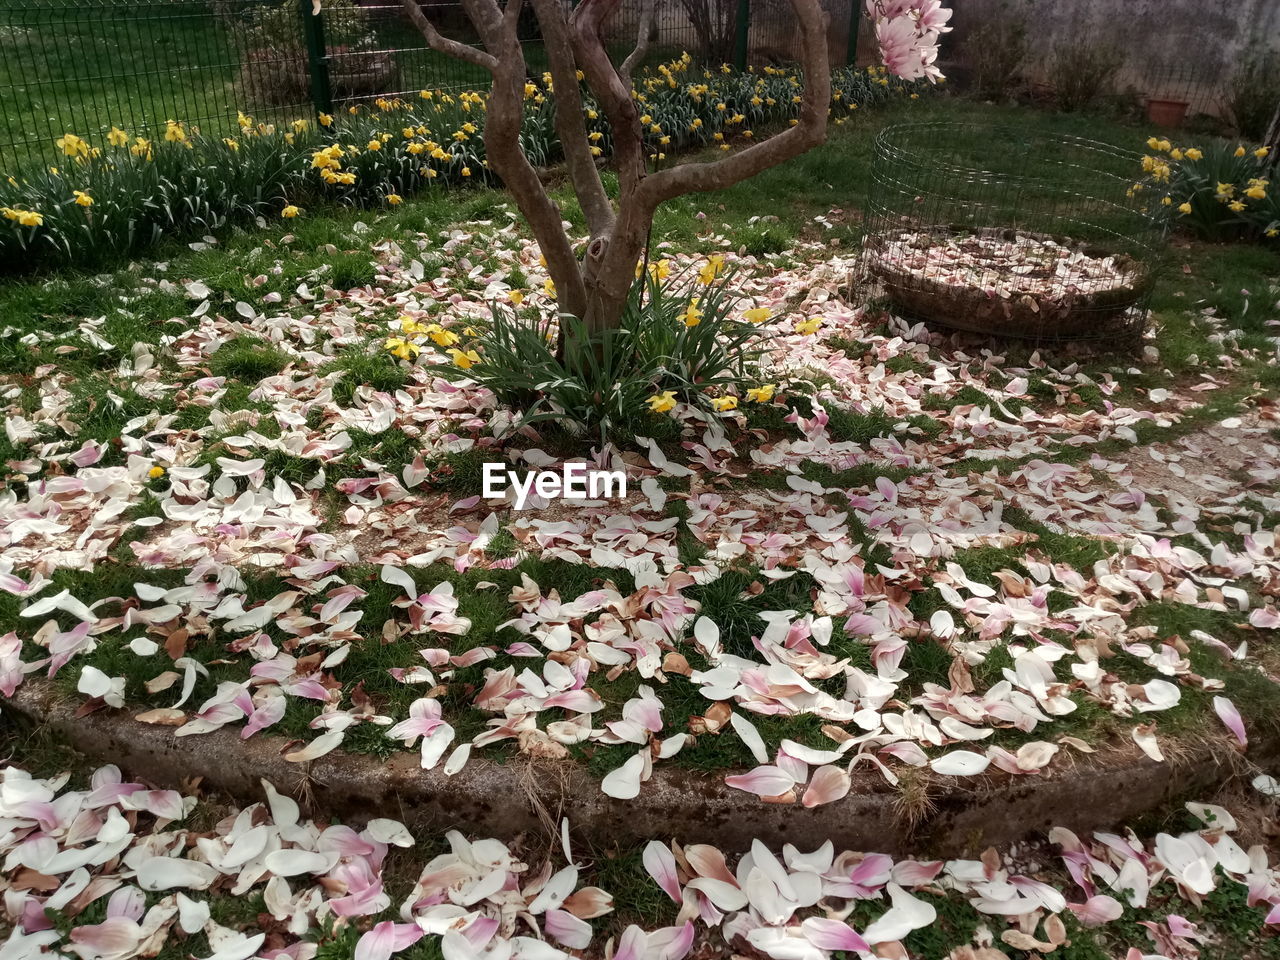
(764, 781)
(387, 938)
(115, 936)
(826, 934)
(828, 785)
(1097, 910)
(661, 864)
(564, 927)
(670, 943)
(632, 944)
(1229, 715)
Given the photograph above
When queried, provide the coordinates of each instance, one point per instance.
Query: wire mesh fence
(85, 66)
(1002, 232)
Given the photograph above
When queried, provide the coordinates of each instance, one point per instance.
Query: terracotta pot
(1167, 113)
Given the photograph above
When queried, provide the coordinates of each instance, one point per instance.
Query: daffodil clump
(687, 345)
(1220, 190)
(114, 193)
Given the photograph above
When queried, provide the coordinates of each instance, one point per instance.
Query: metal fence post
(744, 34)
(313, 32)
(855, 24)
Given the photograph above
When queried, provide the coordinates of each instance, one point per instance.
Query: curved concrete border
(503, 799)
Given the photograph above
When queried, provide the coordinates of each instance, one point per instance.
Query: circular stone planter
(496, 799)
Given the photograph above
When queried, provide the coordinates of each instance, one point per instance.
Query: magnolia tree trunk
(596, 287)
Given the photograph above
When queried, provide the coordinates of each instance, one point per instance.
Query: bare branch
(809, 131)
(442, 44)
(636, 56)
(612, 92)
(511, 16)
(570, 120)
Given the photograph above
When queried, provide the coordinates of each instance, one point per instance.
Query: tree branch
(570, 118)
(611, 91)
(442, 44)
(504, 117)
(636, 56)
(809, 131)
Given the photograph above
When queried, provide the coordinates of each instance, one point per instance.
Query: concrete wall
(1179, 49)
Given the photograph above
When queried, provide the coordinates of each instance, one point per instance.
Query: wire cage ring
(1001, 231)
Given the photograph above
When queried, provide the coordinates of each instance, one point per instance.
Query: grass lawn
(254, 274)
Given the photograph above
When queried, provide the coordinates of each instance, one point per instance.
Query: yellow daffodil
(374, 145)
(466, 171)
(549, 287)
(692, 315)
(83, 199)
(756, 315)
(1262, 153)
(326, 120)
(1236, 206)
(711, 269)
(290, 211)
(465, 359)
(1184, 208)
(663, 402)
(394, 198)
(808, 327)
(402, 348)
(516, 297)
(174, 132)
(24, 218)
(1193, 153)
(723, 404)
(440, 336)
(761, 394)
(117, 137)
(411, 327)
(1257, 190)
(73, 146)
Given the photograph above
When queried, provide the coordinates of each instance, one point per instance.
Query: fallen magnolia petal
(828, 784)
(959, 763)
(826, 934)
(169, 873)
(1266, 785)
(567, 929)
(624, 782)
(1097, 910)
(321, 745)
(387, 938)
(1144, 736)
(905, 914)
(661, 864)
(750, 736)
(763, 781)
(1227, 712)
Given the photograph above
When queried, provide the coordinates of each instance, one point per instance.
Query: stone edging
(504, 799)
